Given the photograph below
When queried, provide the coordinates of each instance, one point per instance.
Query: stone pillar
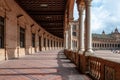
(46, 46)
(70, 37)
(49, 44)
(81, 30)
(88, 28)
(53, 44)
(36, 42)
(66, 40)
(58, 45)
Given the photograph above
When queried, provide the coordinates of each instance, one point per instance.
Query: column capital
(88, 2)
(81, 7)
(70, 23)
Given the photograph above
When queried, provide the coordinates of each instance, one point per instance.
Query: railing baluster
(98, 68)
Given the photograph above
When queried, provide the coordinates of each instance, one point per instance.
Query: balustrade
(97, 68)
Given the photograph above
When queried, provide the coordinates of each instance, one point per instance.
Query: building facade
(20, 35)
(100, 41)
(106, 41)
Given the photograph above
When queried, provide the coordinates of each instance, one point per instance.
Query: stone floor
(108, 55)
(49, 65)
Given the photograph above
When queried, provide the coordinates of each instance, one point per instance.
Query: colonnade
(49, 43)
(84, 30)
(21, 35)
(106, 46)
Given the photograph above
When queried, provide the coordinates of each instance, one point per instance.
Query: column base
(89, 52)
(70, 49)
(81, 51)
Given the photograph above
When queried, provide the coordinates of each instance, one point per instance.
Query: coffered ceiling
(48, 13)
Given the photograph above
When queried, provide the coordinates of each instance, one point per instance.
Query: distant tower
(116, 30)
(103, 33)
(112, 32)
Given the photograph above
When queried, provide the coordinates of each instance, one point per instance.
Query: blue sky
(105, 15)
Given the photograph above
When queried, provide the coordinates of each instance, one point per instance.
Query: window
(74, 27)
(74, 34)
(54, 44)
(118, 45)
(62, 44)
(39, 41)
(33, 40)
(1, 32)
(22, 37)
(48, 43)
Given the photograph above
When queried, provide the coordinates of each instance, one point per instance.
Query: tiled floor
(50, 65)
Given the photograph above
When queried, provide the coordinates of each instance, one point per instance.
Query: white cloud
(96, 1)
(105, 15)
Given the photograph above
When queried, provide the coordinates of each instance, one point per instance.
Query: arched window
(33, 40)
(1, 32)
(22, 37)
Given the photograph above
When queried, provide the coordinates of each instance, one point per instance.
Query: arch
(69, 10)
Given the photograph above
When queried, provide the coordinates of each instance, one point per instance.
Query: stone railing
(101, 69)
(97, 68)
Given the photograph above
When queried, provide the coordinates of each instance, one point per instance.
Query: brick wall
(15, 18)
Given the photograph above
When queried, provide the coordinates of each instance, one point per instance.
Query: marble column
(88, 38)
(81, 29)
(66, 39)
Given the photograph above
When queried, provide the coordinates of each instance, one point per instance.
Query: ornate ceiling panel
(48, 13)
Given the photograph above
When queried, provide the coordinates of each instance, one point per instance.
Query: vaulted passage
(35, 35)
(48, 65)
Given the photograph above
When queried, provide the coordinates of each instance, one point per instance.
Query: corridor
(48, 65)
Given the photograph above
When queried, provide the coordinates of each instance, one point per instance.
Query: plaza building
(101, 41)
(106, 41)
(39, 40)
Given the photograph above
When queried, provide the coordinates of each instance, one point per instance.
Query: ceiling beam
(50, 21)
(45, 12)
(54, 28)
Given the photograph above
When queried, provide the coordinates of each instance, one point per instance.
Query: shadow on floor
(51, 65)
